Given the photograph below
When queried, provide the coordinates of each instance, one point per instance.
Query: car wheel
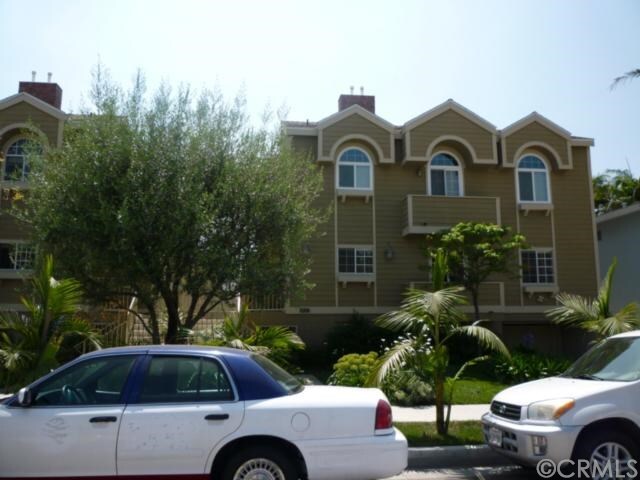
(610, 448)
(260, 463)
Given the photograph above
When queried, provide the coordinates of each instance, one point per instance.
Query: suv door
(185, 406)
(71, 428)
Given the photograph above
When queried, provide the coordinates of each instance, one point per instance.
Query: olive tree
(175, 200)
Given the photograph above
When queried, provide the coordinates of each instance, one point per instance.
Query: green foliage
(30, 342)
(358, 335)
(475, 251)
(595, 315)
(406, 388)
(177, 200)
(238, 331)
(524, 366)
(353, 369)
(428, 322)
(615, 189)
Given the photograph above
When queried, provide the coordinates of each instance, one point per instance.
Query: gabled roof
(357, 110)
(536, 117)
(456, 107)
(34, 102)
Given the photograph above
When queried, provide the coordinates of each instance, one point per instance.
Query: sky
(502, 59)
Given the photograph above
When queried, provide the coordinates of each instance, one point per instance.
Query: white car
(194, 413)
(591, 412)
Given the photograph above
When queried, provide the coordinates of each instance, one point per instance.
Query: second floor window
(355, 260)
(16, 165)
(17, 256)
(533, 180)
(354, 170)
(445, 176)
(537, 266)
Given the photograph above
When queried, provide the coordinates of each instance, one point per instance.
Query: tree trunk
(476, 305)
(440, 423)
(155, 329)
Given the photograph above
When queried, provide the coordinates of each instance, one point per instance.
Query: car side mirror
(25, 397)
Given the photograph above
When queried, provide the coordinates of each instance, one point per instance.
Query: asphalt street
(497, 473)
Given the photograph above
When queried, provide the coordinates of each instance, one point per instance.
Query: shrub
(352, 370)
(358, 335)
(406, 389)
(525, 365)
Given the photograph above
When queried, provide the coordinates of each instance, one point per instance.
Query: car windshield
(290, 383)
(616, 359)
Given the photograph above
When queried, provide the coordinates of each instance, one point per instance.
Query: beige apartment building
(32, 114)
(389, 185)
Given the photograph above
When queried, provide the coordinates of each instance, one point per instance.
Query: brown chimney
(368, 102)
(47, 92)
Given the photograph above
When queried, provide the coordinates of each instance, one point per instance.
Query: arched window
(445, 176)
(533, 180)
(16, 165)
(354, 170)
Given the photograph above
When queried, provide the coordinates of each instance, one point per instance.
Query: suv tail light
(384, 418)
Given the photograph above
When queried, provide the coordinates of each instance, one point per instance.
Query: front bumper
(517, 441)
(361, 458)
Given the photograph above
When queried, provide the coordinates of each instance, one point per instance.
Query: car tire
(271, 463)
(597, 446)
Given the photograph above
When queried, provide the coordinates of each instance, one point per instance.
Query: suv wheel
(611, 455)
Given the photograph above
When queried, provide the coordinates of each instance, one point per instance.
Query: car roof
(173, 349)
(634, 333)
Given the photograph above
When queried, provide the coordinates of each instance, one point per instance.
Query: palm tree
(630, 75)
(595, 315)
(429, 322)
(615, 189)
(238, 331)
(30, 341)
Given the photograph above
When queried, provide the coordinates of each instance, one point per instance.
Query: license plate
(495, 437)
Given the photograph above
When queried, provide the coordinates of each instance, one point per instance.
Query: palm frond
(603, 300)
(392, 361)
(635, 73)
(81, 329)
(624, 320)
(574, 310)
(484, 337)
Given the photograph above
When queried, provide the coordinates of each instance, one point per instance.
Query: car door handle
(217, 416)
(103, 419)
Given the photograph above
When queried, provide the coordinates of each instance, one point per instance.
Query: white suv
(590, 412)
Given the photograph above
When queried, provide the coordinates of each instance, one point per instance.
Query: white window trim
(358, 191)
(17, 273)
(446, 168)
(355, 277)
(23, 182)
(539, 287)
(547, 172)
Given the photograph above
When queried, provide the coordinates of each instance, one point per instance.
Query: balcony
(428, 214)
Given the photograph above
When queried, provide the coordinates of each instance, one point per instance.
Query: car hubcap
(610, 461)
(259, 469)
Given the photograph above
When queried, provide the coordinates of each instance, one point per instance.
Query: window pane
(452, 186)
(362, 177)
(346, 260)
(442, 159)
(540, 182)
(170, 380)
(531, 162)
(93, 382)
(529, 267)
(354, 155)
(214, 384)
(6, 251)
(437, 182)
(525, 182)
(346, 176)
(364, 261)
(13, 168)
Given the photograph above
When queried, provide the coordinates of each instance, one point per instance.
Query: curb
(459, 456)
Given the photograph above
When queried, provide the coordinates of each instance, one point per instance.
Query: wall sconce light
(389, 253)
(419, 171)
(306, 249)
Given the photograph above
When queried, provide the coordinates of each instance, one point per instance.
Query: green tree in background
(175, 200)
(615, 189)
(475, 251)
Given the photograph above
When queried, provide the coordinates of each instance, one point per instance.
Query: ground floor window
(17, 256)
(537, 266)
(355, 260)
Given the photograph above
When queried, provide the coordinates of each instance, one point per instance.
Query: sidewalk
(428, 413)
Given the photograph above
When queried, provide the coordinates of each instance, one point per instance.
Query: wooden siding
(448, 211)
(537, 229)
(451, 123)
(489, 293)
(355, 221)
(575, 248)
(355, 124)
(12, 290)
(356, 295)
(539, 133)
(25, 113)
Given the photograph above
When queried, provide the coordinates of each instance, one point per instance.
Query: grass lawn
(424, 434)
(468, 391)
